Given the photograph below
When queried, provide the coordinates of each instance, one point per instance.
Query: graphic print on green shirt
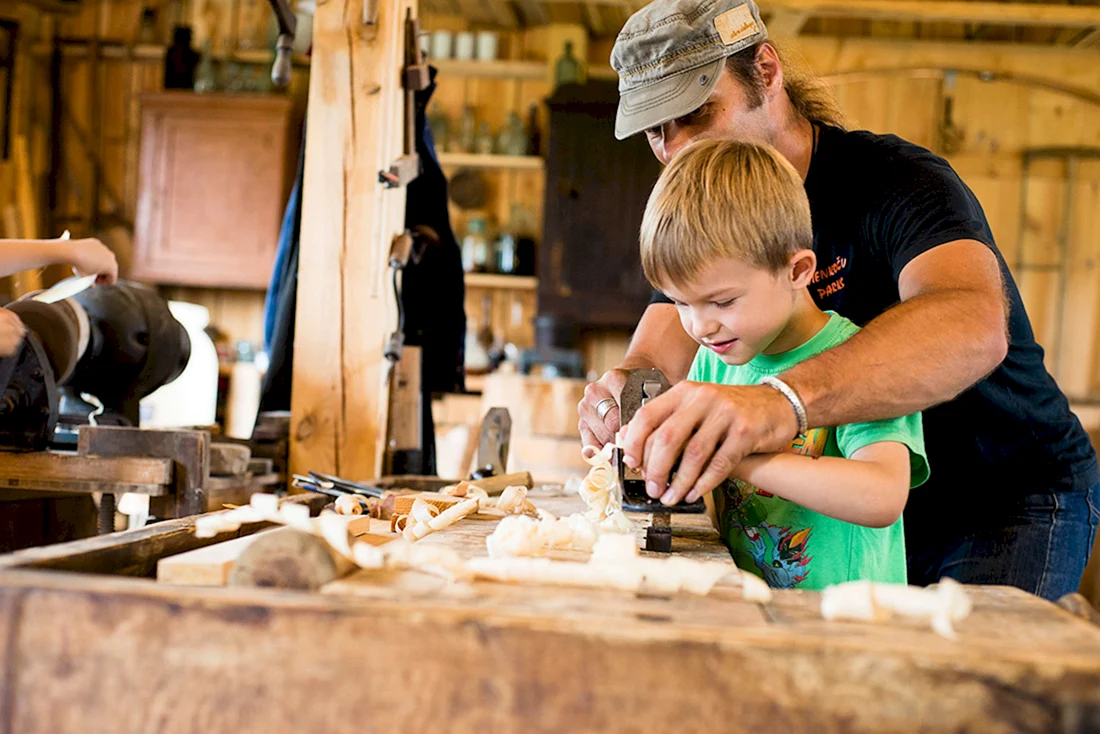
(784, 543)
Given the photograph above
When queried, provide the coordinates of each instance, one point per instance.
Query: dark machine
(97, 353)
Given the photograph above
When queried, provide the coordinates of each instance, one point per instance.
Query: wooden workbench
(403, 652)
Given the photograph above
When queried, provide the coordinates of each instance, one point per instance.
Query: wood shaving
(461, 489)
(350, 505)
(867, 601)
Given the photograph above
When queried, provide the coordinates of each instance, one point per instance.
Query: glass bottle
(467, 131)
(516, 138)
(475, 247)
(180, 60)
(147, 32)
(205, 79)
(521, 227)
(534, 135)
(568, 69)
(505, 253)
(485, 142)
(440, 127)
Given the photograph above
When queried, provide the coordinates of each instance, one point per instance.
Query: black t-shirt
(878, 202)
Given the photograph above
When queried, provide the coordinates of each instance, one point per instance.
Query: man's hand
(12, 332)
(90, 256)
(709, 428)
(594, 431)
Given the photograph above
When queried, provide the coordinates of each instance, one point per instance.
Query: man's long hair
(810, 97)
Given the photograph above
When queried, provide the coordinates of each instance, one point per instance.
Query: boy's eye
(725, 304)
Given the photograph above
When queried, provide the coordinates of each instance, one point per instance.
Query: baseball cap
(670, 53)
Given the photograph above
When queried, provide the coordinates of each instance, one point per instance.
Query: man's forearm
(660, 341)
(922, 352)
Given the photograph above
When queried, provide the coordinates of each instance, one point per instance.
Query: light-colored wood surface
(505, 658)
(209, 566)
(504, 282)
(64, 465)
(532, 70)
(544, 438)
(501, 162)
(345, 306)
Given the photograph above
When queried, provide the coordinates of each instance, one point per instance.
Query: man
(905, 251)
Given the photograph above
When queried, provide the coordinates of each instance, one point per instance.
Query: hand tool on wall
(288, 25)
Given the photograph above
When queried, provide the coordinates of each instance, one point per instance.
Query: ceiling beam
(787, 23)
(991, 13)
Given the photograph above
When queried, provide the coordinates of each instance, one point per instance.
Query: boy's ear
(801, 267)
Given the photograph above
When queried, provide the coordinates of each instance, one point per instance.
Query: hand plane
(641, 386)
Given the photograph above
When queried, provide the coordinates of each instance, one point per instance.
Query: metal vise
(118, 343)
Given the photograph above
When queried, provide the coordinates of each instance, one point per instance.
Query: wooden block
(133, 552)
(287, 558)
(209, 566)
(261, 466)
(229, 459)
(496, 485)
(63, 465)
(402, 503)
(188, 450)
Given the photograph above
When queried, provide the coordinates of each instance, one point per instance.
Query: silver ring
(604, 407)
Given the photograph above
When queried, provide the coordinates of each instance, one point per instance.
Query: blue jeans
(1039, 543)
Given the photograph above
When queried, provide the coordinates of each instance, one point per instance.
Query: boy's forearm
(17, 256)
(859, 492)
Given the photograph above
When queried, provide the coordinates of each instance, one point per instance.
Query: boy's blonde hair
(723, 198)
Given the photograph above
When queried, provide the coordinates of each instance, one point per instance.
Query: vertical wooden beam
(345, 299)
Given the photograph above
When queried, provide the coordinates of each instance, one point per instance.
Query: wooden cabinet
(213, 182)
(596, 190)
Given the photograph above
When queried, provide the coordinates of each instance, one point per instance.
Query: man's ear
(770, 69)
(801, 268)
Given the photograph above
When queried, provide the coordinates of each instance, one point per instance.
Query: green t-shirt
(784, 543)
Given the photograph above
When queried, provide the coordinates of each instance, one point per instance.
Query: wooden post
(345, 300)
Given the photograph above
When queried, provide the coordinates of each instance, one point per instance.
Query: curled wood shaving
(457, 490)
(423, 512)
(454, 514)
(941, 605)
(349, 504)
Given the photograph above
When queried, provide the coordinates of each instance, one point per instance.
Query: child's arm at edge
(89, 256)
(870, 488)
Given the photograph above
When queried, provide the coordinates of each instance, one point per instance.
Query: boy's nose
(703, 328)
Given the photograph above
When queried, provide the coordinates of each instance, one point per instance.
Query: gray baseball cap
(669, 54)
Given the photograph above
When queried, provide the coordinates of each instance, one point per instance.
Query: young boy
(88, 256)
(726, 235)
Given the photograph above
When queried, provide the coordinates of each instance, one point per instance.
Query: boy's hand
(90, 256)
(12, 332)
(710, 428)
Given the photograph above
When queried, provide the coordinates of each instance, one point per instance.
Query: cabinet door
(596, 191)
(212, 189)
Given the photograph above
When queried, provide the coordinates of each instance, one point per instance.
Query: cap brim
(647, 107)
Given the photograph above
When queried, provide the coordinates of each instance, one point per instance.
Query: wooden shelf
(155, 52)
(504, 162)
(534, 70)
(502, 282)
